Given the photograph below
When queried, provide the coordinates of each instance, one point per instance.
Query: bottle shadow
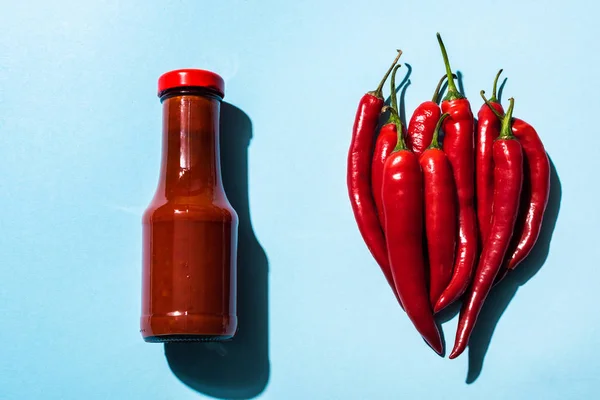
(502, 294)
(239, 368)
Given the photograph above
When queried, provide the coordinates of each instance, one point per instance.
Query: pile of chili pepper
(445, 217)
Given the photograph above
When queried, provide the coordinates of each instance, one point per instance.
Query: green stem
(506, 130)
(379, 91)
(394, 116)
(494, 91)
(393, 94)
(436, 133)
(489, 104)
(436, 94)
(453, 93)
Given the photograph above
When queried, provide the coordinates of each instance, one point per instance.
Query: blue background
(79, 153)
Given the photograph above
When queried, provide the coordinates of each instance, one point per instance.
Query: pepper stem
(393, 95)
(494, 99)
(379, 91)
(394, 116)
(436, 94)
(453, 93)
(489, 104)
(436, 133)
(506, 130)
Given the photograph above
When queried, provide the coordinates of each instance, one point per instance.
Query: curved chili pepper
(402, 194)
(440, 214)
(386, 141)
(508, 180)
(458, 146)
(488, 129)
(422, 123)
(529, 224)
(536, 191)
(359, 174)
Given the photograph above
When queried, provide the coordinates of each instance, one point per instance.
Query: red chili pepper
(440, 214)
(488, 129)
(386, 141)
(508, 180)
(359, 174)
(422, 123)
(458, 146)
(402, 194)
(536, 191)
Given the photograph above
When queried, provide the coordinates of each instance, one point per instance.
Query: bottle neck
(190, 158)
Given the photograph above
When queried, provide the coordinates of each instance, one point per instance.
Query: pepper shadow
(400, 88)
(461, 83)
(501, 89)
(402, 103)
(239, 368)
(388, 100)
(502, 294)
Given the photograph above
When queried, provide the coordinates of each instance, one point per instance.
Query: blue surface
(79, 153)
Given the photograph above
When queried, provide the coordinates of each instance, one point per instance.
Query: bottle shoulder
(190, 208)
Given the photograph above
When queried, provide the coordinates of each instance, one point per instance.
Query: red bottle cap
(191, 77)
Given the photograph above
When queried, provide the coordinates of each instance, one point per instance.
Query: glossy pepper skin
(459, 147)
(386, 141)
(488, 129)
(402, 194)
(535, 194)
(508, 180)
(422, 123)
(440, 214)
(359, 174)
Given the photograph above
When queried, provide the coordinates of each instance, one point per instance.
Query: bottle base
(187, 338)
(161, 328)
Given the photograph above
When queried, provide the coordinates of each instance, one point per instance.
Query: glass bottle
(189, 228)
